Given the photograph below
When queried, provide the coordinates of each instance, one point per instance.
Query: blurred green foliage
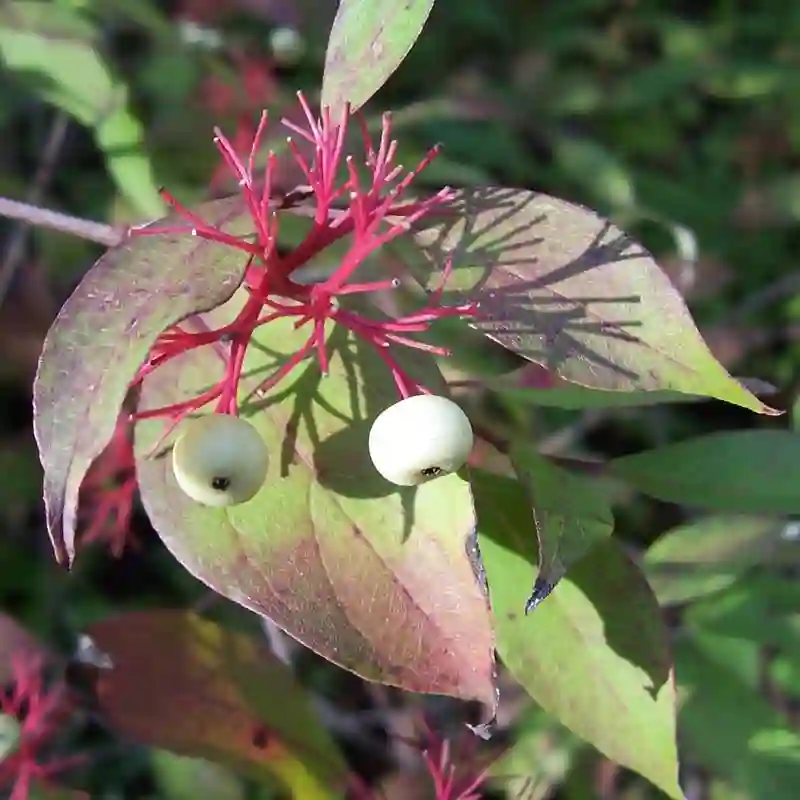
(679, 120)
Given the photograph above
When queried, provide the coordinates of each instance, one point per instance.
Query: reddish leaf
(185, 684)
(371, 576)
(568, 290)
(100, 338)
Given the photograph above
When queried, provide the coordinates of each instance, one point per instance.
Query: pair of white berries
(220, 460)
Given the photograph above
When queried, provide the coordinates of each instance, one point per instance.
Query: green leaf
(538, 761)
(595, 654)
(721, 668)
(184, 778)
(369, 40)
(740, 657)
(120, 136)
(100, 338)
(761, 608)
(572, 514)
(579, 397)
(21, 486)
(785, 675)
(53, 48)
(568, 290)
(198, 700)
(748, 81)
(707, 555)
(733, 731)
(374, 577)
(39, 790)
(747, 472)
(595, 169)
(795, 420)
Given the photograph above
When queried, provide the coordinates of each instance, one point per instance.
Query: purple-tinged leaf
(102, 336)
(183, 683)
(368, 42)
(568, 290)
(373, 577)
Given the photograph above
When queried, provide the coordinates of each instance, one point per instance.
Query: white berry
(219, 460)
(420, 438)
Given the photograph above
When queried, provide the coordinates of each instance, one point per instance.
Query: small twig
(278, 641)
(354, 727)
(206, 602)
(605, 779)
(784, 286)
(564, 439)
(357, 727)
(696, 785)
(44, 172)
(583, 466)
(98, 232)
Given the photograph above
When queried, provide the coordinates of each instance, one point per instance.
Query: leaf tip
(542, 589)
(65, 556)
(63, 550)
(485, 730)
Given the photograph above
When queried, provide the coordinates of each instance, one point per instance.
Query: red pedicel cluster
(453, 769)
(449, 782)
(38, 709)
(108, 492)
(369, 216)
